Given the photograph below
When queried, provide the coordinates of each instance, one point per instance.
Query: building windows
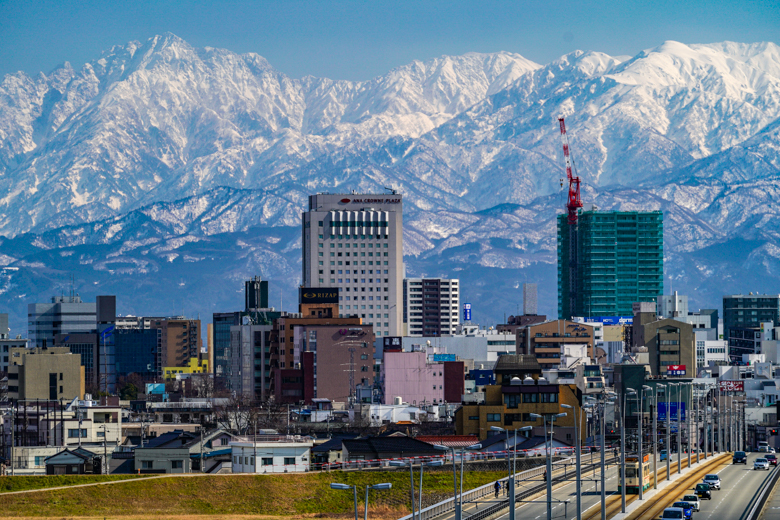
(493, 417)
(147, 464)
(177, 464)
(289, 461)
(268, 461)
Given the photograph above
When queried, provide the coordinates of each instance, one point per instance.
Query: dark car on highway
(703, 491)
(740, 457)
(772, 458)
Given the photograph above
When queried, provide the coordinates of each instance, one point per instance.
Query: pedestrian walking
(545, 475)
(497, 487)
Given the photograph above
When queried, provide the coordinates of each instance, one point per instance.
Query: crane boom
(574, 202)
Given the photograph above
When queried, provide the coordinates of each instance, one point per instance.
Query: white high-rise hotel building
(354, 242)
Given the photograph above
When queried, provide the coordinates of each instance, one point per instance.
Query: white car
(761, 464)
(713, 480)
(693, 500)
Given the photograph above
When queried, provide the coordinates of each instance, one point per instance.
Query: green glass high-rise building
(618, 259)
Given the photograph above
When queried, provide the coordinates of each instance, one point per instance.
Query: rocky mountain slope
(162, 169)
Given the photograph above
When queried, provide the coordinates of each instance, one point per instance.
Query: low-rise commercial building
(45, 373)
(510, 407)
(271, 454)
(181, 452)
(547, 341)
(411, 378)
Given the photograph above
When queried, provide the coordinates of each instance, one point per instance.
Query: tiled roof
(379, 447)
(452, 441)
(163, 440)
(513, 362)
(333, 444)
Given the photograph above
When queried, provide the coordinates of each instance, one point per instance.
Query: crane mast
(573, 203)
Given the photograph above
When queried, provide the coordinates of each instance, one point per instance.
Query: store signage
(319, 295)
(466, 312)
(675, 370)
(732, 386)
(370, 201)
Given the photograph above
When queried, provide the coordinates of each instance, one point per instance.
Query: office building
(95, 346)
(555, 341)
(746, 311)
(45, 373)
(670, 342)
(180, 340)
(139, 351)
(431, 306)
(619, 262)
(354, 243)
(6, 343)
(520, 392)
(416, 380)
(64, 315)
(672, 305)
(255, 298)
(529, 299)
(483, 346)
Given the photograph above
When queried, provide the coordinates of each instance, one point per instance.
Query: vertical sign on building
(466, 312)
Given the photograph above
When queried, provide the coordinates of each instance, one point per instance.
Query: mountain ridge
(159, 158)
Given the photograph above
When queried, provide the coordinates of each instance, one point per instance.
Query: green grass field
(24, 483)
(222, 495)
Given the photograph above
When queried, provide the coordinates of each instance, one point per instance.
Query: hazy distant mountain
(160, 171)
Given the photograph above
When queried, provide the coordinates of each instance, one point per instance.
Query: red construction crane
(574, 182)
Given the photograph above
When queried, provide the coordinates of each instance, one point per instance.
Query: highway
(738, 486)
(739, 483)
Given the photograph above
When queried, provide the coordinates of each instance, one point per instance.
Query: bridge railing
(475, 494)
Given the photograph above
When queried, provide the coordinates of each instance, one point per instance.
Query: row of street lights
(735, 440)
(385, 485)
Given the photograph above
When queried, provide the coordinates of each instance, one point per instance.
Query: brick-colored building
(510, 406)
(180, 340)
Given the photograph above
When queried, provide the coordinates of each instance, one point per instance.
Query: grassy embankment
(290, 496)
(24, 483)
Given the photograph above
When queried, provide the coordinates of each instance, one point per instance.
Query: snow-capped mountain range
(166, 174)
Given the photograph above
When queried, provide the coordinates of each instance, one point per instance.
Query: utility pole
(13, 438)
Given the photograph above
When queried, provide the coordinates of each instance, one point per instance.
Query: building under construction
(607, 261)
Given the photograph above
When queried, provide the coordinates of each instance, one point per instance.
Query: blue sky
(361, 39)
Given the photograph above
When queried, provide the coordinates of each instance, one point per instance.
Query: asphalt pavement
(739, 484)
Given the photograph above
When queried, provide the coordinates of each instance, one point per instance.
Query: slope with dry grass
(294, 495)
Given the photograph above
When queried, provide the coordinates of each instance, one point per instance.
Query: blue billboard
(466, 312)
(672, 409)
(444, 357)
(613, 320)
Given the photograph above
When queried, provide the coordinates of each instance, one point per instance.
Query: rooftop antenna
(392, 191)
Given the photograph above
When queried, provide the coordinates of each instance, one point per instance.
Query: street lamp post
(696, 411)
(549, 456)
(668, 430)
(400, 463)
(689, 384)
(511, 477)
(679, 428)
(385, 485)
(458, 498)
(432, 463)
(335, 485)
(629, 391)
(655, 434)
(577, 447)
